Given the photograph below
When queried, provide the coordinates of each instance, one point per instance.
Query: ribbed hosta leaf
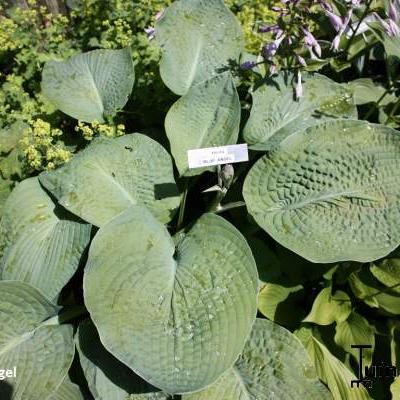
(167, 307)
(198, 38)
(331, 193)
(273, 365)
(67, 391)
(40, 242)
(108, 378)
(275, 114)
(208, 115)
(111, 175)
(90, 86)
(32, 341)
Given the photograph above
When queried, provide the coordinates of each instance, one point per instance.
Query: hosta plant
(126, 274)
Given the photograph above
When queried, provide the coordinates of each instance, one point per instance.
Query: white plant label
(208, 156)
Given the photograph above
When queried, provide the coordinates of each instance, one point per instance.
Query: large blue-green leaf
(276, 114)
(41, 243)
(207, 116)
(330, 193)
(111, 175)
(67, 391)
(107, 377)
(33, 341)
(198, 38)
(175, 310)
(90, 86)
(273, 365)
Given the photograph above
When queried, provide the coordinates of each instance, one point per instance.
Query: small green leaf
(166, 307)
(395, 389)
(198, 39)
(108, 378)
(390, 43)
(355, 330)
(10, 136)
(273, 364)
(111, 175)
(330, 370)
(33, 341)
(367, 288)
(328, 308)
(388, 273)
(276, 115)
(90, 86)
(274, 301)
(327, 193)
(207, 116)
(40, 243)
(394, 327)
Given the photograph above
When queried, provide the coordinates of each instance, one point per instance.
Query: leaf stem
(66, 315)
(392, 112)
(376, 105)
(367, 6)
(182, 206)
(230, 206)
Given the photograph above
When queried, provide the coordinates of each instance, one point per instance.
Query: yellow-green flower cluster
(41, 148)
(252, 14)
(89, 131)
(117, 34)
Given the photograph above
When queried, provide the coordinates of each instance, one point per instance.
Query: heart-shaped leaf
(330, 193)
(111, 175)
(33, 342)
(273, 364)
(90, 86)
(41, 243)
(198, 39)
(207, 116)
(167, 307)
(108, 378)
(275, 114)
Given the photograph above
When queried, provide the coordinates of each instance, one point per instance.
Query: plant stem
(69, 314)
(367, 6)
(182, 206)
(392, 112)
(376, 105)
(230, 206)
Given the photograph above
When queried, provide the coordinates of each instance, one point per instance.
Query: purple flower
(301, 60)
(336, 42)
(311, 42)
(393, 15)
(270, 49)
(271, 28)
(159, 15)
(247, 65)
(272, 69)
(299, 86)
(151, 32)
(390, 26)
(335, 20)
(326, 5)
(344, 22)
